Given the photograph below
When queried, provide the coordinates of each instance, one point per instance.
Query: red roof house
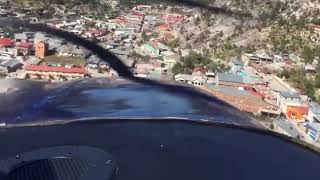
(24, 44)
(203, 70)
(45, 68)
(137, 13)
(6, 42)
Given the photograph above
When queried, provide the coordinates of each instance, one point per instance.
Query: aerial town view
(261, 58)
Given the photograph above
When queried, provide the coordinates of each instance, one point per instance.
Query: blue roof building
(236, 80)
(313, 130)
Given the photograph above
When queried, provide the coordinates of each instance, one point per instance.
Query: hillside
(47, 2)
(263, 9)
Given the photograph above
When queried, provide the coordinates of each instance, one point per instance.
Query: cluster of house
(28, 52)
(249, 87)
(295, 107)
(251, 90)
(269, 64)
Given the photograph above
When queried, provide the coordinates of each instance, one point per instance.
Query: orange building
(42, 49)
(298, 113)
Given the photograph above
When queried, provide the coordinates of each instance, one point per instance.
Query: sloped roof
(202, 69)
(288, 94)
(11, 63)
(24, 44)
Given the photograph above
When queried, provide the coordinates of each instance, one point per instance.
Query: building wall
(42, 49)
(284, 100)
(53, 75)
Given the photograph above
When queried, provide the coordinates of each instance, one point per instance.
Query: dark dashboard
(170, 149)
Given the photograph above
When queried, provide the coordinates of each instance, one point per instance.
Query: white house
(191, 79)
(286, 98)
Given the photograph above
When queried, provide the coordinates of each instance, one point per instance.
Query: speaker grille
(50, 169)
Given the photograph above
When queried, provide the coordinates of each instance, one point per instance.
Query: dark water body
(35, 102)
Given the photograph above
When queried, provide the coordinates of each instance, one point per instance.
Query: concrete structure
(292, 106)
(287, 97)
(42, 49)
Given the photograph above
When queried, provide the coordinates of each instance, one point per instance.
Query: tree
(177, 68)
(307, 54)
(174, 43)
(197, 20)
(144, 36)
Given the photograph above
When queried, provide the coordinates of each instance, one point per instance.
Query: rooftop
(189, 77)
(6, 42)
(289, 94)
(231, 90)
(235, 78)
(286, 126)
(21, 36)
(228, 77)
(53, 59)
(24, 44)
(11, 63)
(45, 68)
